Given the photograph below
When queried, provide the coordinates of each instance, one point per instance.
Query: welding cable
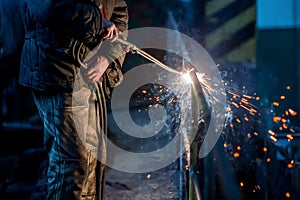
(102, 100)
(97, 87)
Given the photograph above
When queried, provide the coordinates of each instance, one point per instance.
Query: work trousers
(75, 143)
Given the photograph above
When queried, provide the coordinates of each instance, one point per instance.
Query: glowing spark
(292, 112)
(255, 133)
(202, 79)
(288, 87)
(235, 104)
(273, 138)
(248, 96)
(289, 136)
(225, 145)
(144, 91)
(252, 113)
(207, 78)
(290, 166)
(241, 184)
(246, 108)
(233, 93)
(216, 99)
(271, 132)
(292, 161)
(236, 154)
(276, 104)
(148, 176)
(268, 160)
(276, 119)
(287, 195)
(238, 148)
(282, 97)
(292, 130)
(257, 187)
(265, 149)
(245, 101)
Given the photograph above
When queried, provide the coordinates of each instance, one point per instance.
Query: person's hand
(112, 32)
(97, 68)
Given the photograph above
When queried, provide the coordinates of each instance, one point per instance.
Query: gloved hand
(112, 32)
(96, 68)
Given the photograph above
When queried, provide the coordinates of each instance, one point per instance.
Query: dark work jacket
(58, 33)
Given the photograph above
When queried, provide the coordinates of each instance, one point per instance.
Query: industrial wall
(229, 30)
(278, 55)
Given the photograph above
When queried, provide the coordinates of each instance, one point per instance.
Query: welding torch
(138, 51)
(192, 72)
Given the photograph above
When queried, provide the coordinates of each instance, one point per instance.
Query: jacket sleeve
(120, 15)
(80, 19)
(114, 51)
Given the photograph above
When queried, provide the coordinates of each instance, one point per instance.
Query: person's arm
(112, 53)
(114, 50)
(120, 15)
(79, 19)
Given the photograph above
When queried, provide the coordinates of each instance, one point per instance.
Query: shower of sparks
(243, 115)
(207, 84)
(243, 102)
(283, 120)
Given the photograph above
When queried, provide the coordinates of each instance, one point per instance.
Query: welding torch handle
(126, 43)
(146, 55)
